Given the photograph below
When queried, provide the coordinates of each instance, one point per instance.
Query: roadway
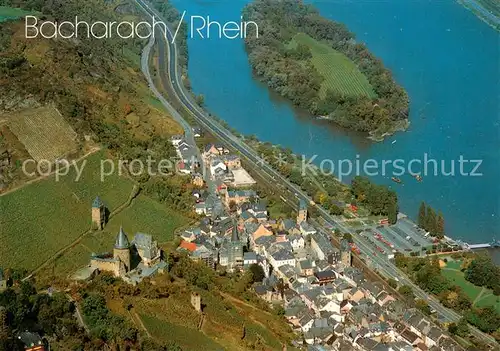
(181, 99)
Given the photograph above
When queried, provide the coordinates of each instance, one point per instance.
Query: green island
(318, 65)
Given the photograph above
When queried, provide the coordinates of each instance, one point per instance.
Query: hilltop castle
(131, 261)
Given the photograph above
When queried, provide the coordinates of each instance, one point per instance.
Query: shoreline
(482, 13)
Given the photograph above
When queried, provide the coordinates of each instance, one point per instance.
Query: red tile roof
(188, 246)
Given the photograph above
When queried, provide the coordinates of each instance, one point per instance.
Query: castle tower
(302, 214)
(121, 250)
(98, 213)
(345, 253)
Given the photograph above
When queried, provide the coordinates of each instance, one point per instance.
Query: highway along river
(446, 58)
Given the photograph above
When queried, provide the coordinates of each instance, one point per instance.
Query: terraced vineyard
(59, 212)
(44, 133)
(340, 73)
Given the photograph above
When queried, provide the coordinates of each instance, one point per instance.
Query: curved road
(182, 100)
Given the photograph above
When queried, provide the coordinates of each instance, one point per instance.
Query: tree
(423, 306)
(257, 272)
(440, 226)
(232, 206)
(279, 310)
(422, 215)
(452, 328)
(200, 99)
(462, 328)
(348, 237)
(431, 221)
(392, 283)
(407, 292)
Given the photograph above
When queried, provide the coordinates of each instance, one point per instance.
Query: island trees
(293, 39)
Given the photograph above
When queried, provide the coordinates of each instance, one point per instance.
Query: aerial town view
(249, 175)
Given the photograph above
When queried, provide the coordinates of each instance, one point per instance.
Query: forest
(289, 71)
(379, 199)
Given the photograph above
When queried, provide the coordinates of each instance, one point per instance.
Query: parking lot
(409, 228)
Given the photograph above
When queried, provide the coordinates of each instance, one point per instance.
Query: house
(239, 196)
(187, 246)
(223, 256)
(31, 341)
(306, 322)
(306, 267)
(355, 295)
(287, 225)
(287, 273)
(281, 257)
(197, 132)
(176, 139)
(217, 167)
(188, 236)
(306, 229)
(353, 275)
(205, 254)
(212, 150)
(323, 248)
(249, 258)
(232, 162)
(325, 277)
(200, 208)
(257, 231)
(384, 298)
(297, 241)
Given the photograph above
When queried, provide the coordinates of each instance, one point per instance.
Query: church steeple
(235, 236)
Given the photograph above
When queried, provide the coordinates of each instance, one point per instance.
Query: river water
(447, 59)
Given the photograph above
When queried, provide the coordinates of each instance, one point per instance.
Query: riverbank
(447, 96)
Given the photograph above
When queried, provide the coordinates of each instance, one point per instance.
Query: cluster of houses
(326, 300)
(225, 168)
(187, 152)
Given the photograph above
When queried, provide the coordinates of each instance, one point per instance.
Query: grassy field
(10, 13)
(481, 297)
(340, 73)
(43, 217)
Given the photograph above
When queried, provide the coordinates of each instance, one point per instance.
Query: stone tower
(98, 213)
(196, 301)
(345, 253)
(302, 214)
(121, 251)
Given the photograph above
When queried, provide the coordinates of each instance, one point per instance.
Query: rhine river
(447, 59)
